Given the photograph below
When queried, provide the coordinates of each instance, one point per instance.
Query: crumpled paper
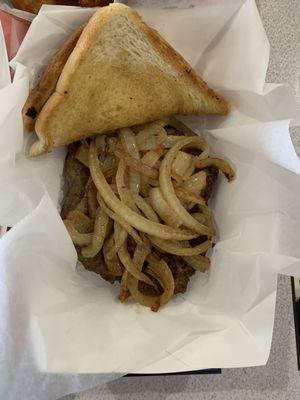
(62, 329)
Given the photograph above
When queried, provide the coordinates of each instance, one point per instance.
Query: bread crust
(46, 86)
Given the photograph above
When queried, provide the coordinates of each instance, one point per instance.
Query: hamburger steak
(76, 177)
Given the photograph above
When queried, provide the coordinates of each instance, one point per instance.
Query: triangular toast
(120, 73)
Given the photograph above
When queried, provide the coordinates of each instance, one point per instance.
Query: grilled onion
(222, 165)
(100, 230)
(182, 163)
(162, 208)
(129, 145)
(113, 264)
(137, 221)
(82, 223)
(179, 250)
(131, 267)
(195, 184)
(121, 221)
(136, 165)
(151, 137)
(168, 190)
(80, 239)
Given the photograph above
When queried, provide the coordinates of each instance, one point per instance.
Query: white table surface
(280, 378)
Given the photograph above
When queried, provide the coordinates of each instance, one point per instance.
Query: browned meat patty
(181, 272)
(76, 176)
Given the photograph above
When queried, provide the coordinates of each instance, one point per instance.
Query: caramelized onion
(136, 165)
(168, 190)
(222, 165)
(80, 239)
(177, 248)
(182, 163)
(113, 264)
(82, 223)
(131, 267)
(162, 273)
(82, 155)
(195, 184)
(146, 208)
(137, 221)
(116, 217)
(123, 191)
(151, 137)
(129, 145)
(162, 208)
(99, 234)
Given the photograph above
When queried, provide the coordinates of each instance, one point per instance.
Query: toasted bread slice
(121, 73)
(41, 93)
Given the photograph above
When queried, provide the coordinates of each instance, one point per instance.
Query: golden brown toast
(120, 73)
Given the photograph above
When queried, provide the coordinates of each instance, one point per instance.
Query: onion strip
(129, 145)
(113, 264)
(151, 157)
(178, 249)
(124, 292)
(195, 183)
(153, 133)
(200, 217)
(161, 272)
(123, 191)
(116, 217)
(91, 192)
(205, 210)
(119, 237)
(168, 190)
(189, 172)
(132, 218)
(82, 155)
(184, 195)
(162, 208)
(136, 165)
(79, 239)
(171, 140)
(222, 165)
(131, 267)
(140, 254)
(182, 163)
(146, 208)
(82, 223)
(100, 229)
(199, 263)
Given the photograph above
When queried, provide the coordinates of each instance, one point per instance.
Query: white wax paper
(62, 329)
